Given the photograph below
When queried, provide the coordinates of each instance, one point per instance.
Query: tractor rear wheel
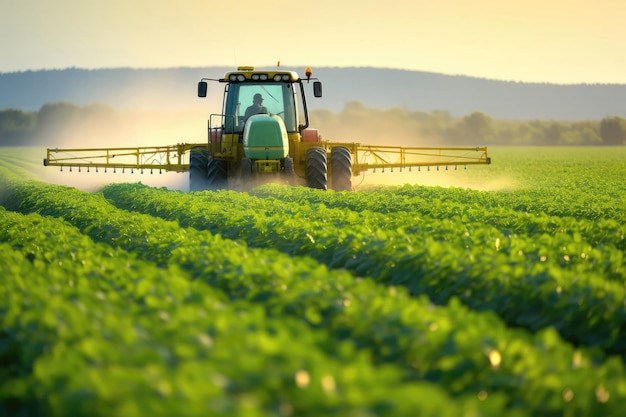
(217, 174)
(198, 164)
(316, 168)
(341, 168)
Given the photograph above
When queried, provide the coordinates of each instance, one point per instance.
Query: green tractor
(263, 134)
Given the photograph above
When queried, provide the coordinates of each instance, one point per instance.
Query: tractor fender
(310, 135)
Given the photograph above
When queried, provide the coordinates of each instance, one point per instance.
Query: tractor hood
(265, 137)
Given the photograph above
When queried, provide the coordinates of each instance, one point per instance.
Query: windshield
(246, 99)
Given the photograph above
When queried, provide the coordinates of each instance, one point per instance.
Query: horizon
(167, 89)
(297, 66)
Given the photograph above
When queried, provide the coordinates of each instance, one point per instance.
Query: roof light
(277, 77)
(236, 77)
(286, 77)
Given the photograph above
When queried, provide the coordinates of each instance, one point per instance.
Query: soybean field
(493, 291)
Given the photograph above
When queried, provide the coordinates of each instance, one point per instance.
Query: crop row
(90, 330)
(585, 183)
(522, 212)
(601, 243)
(530, 281)
(466, 353)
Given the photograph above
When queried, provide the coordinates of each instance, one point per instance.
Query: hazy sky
(520, 40)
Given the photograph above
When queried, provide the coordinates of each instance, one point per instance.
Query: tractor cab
(281, 92)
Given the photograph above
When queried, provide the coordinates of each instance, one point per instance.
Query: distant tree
(506, 134)
(354, 109)
(525, 134)
(16, 127)
(553, 133)
(613, 131)
(13, 120)
(476, 126)
(591, 137)
(55, 116)
(432, 126)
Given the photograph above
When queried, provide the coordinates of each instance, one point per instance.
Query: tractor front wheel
(198, 175)
(246, 168)
(288, 166)
(288, 171)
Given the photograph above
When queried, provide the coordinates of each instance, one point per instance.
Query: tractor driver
(257, 106)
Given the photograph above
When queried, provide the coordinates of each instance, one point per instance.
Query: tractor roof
(246, 74)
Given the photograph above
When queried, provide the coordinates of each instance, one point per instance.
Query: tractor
(262, 134)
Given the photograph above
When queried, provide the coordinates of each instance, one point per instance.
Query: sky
(553, 41)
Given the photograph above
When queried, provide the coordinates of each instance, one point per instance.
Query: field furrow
(529, 281)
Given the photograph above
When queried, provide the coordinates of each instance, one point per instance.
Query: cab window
(277, 98)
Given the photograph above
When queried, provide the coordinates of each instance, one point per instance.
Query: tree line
(25, 128)
(355, 123)
(439, 128)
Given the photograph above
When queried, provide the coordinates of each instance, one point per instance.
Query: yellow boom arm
(175, 158)
(168, 158)
(366, 157)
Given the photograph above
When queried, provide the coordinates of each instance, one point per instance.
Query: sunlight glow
(559, 42)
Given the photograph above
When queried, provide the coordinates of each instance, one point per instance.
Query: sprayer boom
(263, 133)
(165, 158)
(176, 157)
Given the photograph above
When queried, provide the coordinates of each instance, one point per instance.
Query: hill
(175, 89)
